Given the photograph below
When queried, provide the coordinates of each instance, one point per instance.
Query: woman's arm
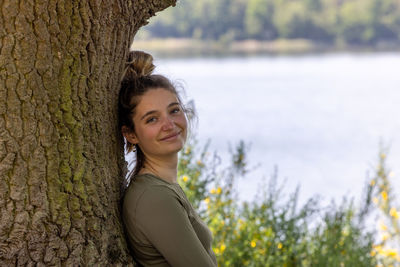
(165, 222)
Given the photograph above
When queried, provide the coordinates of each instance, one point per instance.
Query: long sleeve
(162, 218)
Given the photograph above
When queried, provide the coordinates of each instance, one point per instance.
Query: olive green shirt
(162, 226)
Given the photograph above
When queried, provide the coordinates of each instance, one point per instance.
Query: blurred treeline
(353, 22)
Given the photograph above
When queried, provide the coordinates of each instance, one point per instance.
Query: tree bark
(61, 155)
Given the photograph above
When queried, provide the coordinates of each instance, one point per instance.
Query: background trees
(354, 22)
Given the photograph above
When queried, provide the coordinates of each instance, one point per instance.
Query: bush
(273, 231)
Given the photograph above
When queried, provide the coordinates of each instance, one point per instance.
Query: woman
(163, 228)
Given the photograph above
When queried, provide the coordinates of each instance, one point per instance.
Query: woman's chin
(174, 148)
(178, 148)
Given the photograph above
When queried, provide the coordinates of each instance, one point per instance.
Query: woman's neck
(164, 168)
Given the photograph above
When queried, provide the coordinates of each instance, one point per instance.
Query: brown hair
(137, 79)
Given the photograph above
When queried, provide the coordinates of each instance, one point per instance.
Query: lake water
(319, 118)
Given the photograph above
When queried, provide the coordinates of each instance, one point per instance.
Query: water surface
(319, 118)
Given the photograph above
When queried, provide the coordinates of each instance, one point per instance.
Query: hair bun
(139, 64)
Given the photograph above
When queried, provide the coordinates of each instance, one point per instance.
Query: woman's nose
(168, 123)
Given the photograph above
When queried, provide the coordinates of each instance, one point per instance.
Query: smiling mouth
(170, 137)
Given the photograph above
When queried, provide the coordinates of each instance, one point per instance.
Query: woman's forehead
(156, 99)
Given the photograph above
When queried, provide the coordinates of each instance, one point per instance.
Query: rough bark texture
(61, 158)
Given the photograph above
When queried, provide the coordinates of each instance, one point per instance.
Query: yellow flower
(213, 191)
(216, 250)
(253, 244)
(375, 200)
(199, 162)
(207, 200)
(393, 212)
(219, 190)
(389, 252)
(384, 195)
(345, 231)
(382, 226)
(222, 248)
(392, 253)
(383, 155)
(378, 248)
(385, 237)
(373, 253)
(280, 245)
(185, 178)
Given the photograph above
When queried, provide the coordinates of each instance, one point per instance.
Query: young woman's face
(160, 124)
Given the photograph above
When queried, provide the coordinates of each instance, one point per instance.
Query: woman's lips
(170, 137)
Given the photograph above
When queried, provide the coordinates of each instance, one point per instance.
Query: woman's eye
(151, 119)
(175, 110)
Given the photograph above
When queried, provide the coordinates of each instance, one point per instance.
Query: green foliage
(258, 20)
(353, 21)
(387, 249)
(272, 230)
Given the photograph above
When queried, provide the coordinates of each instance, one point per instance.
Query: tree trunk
(61, 156)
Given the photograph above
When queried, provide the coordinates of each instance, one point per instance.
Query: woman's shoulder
(147, 189)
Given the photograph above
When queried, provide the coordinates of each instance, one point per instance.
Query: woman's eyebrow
(173, 104)
(148, 113)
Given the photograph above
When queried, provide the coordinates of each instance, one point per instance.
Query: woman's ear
(129, 135)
